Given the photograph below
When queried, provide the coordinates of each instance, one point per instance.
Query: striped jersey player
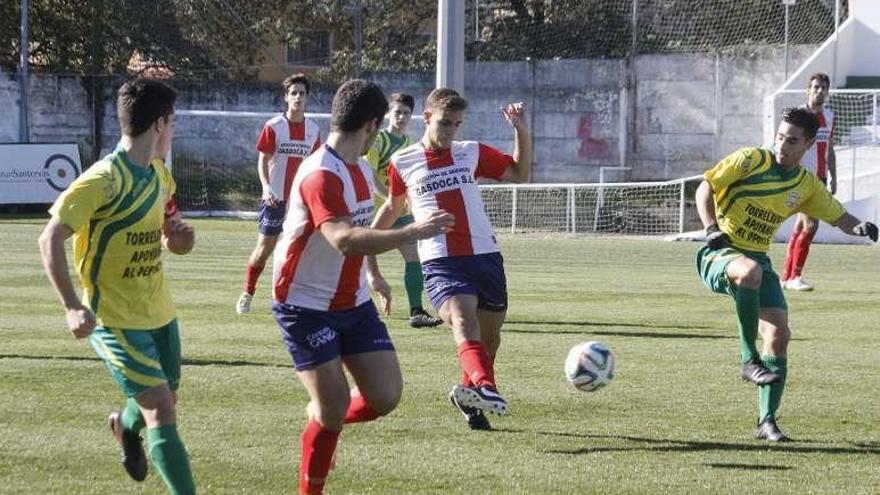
(463, 269)
(286, 140)
(821, 160)
(322, 304)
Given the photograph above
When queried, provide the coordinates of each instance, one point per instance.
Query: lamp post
(787, 4)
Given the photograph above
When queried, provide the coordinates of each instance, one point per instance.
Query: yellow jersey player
(121, 213)
(388, 141)
(742, 201)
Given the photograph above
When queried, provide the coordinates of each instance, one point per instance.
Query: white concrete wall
(691, 110)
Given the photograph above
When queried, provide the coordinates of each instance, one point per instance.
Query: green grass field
(677, 419)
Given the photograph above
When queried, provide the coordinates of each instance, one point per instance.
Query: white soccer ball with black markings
(589, 366)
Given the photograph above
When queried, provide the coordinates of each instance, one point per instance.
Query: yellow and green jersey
(116, 210)
(379, 155)
(754, 194)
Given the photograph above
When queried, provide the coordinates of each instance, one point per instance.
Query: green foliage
(677, 419)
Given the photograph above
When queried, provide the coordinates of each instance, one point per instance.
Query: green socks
(747, 314)
(770, 396)
(170, 458)
(132, 420)
(414, 283)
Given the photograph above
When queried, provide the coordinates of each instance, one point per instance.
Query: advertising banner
(36, 173)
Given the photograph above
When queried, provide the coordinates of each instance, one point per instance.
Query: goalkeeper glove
(866, 229)
(715, 238)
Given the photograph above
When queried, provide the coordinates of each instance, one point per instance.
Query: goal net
(856, 138)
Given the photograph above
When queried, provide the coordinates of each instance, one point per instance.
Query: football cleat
(798, 284)
(420, 319)
(475, 418)
(484, 398)
(754, 371)
(134, 460)
(769, 430)
(243, 306)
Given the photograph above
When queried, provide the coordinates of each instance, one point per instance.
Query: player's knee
(331, 414)
(387, 401)
(747, 274)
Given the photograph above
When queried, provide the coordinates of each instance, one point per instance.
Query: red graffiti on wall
(592, 148)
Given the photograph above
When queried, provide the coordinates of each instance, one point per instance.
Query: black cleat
(769, 430)
(420, 319)
(754, 371)
(134, 460)
(475, 418)
(484, 398)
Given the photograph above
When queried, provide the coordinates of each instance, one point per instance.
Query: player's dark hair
(357, 102)
(445, 99)
(821, 77)
(403, 99)
(803, 118)
(298, 78)
(141, 102)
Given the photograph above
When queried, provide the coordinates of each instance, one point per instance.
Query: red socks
(801, 252)
(359, 410)
(476, 364)
(318, 446)
(796, 258)
(251, 277)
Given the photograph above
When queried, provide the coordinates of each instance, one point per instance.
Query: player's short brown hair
(357, 102)
(298, 78)
(803, 118)
(403, 99)
(141, 102)
(821, 77)
(445, 99)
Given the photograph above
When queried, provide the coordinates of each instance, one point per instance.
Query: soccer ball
(589, 366)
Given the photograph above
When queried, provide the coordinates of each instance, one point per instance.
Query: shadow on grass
(645, 444)
(186, 361)
(649, 335)
(746, 467)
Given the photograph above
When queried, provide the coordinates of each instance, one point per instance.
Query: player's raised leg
(776, 336)
(379, 385)
(746, 275)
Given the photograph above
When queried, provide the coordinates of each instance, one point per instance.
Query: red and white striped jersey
(447, 180)
(289, 143)
(816, 158)
(308, 271)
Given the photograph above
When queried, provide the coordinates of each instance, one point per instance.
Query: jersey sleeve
(372, 156)
(79, 202)
(171, 209)
(322, 192)
(396, 185)
(733, 167)
(266, 142)
(492, 163)
(822, 204)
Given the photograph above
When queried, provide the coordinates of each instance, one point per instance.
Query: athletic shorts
(315, 337)
(712, 268)
(481, 275)
(271, 218)
(140, 359)
(403, 221)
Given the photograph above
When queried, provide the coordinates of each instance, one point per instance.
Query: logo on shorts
(320, 337)
(792, 200)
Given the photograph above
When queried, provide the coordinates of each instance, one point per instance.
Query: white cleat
(484, 398)
(798, 284)
(243, 306)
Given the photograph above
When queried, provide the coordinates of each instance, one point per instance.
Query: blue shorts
(314, 337)
(271, 218)
(481, 275)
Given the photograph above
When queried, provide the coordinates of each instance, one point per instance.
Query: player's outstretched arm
(80, 320)
(853, 226)
(705, 200)
(263, 172)
(515, 114)
(378, 284)
(356, 241)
